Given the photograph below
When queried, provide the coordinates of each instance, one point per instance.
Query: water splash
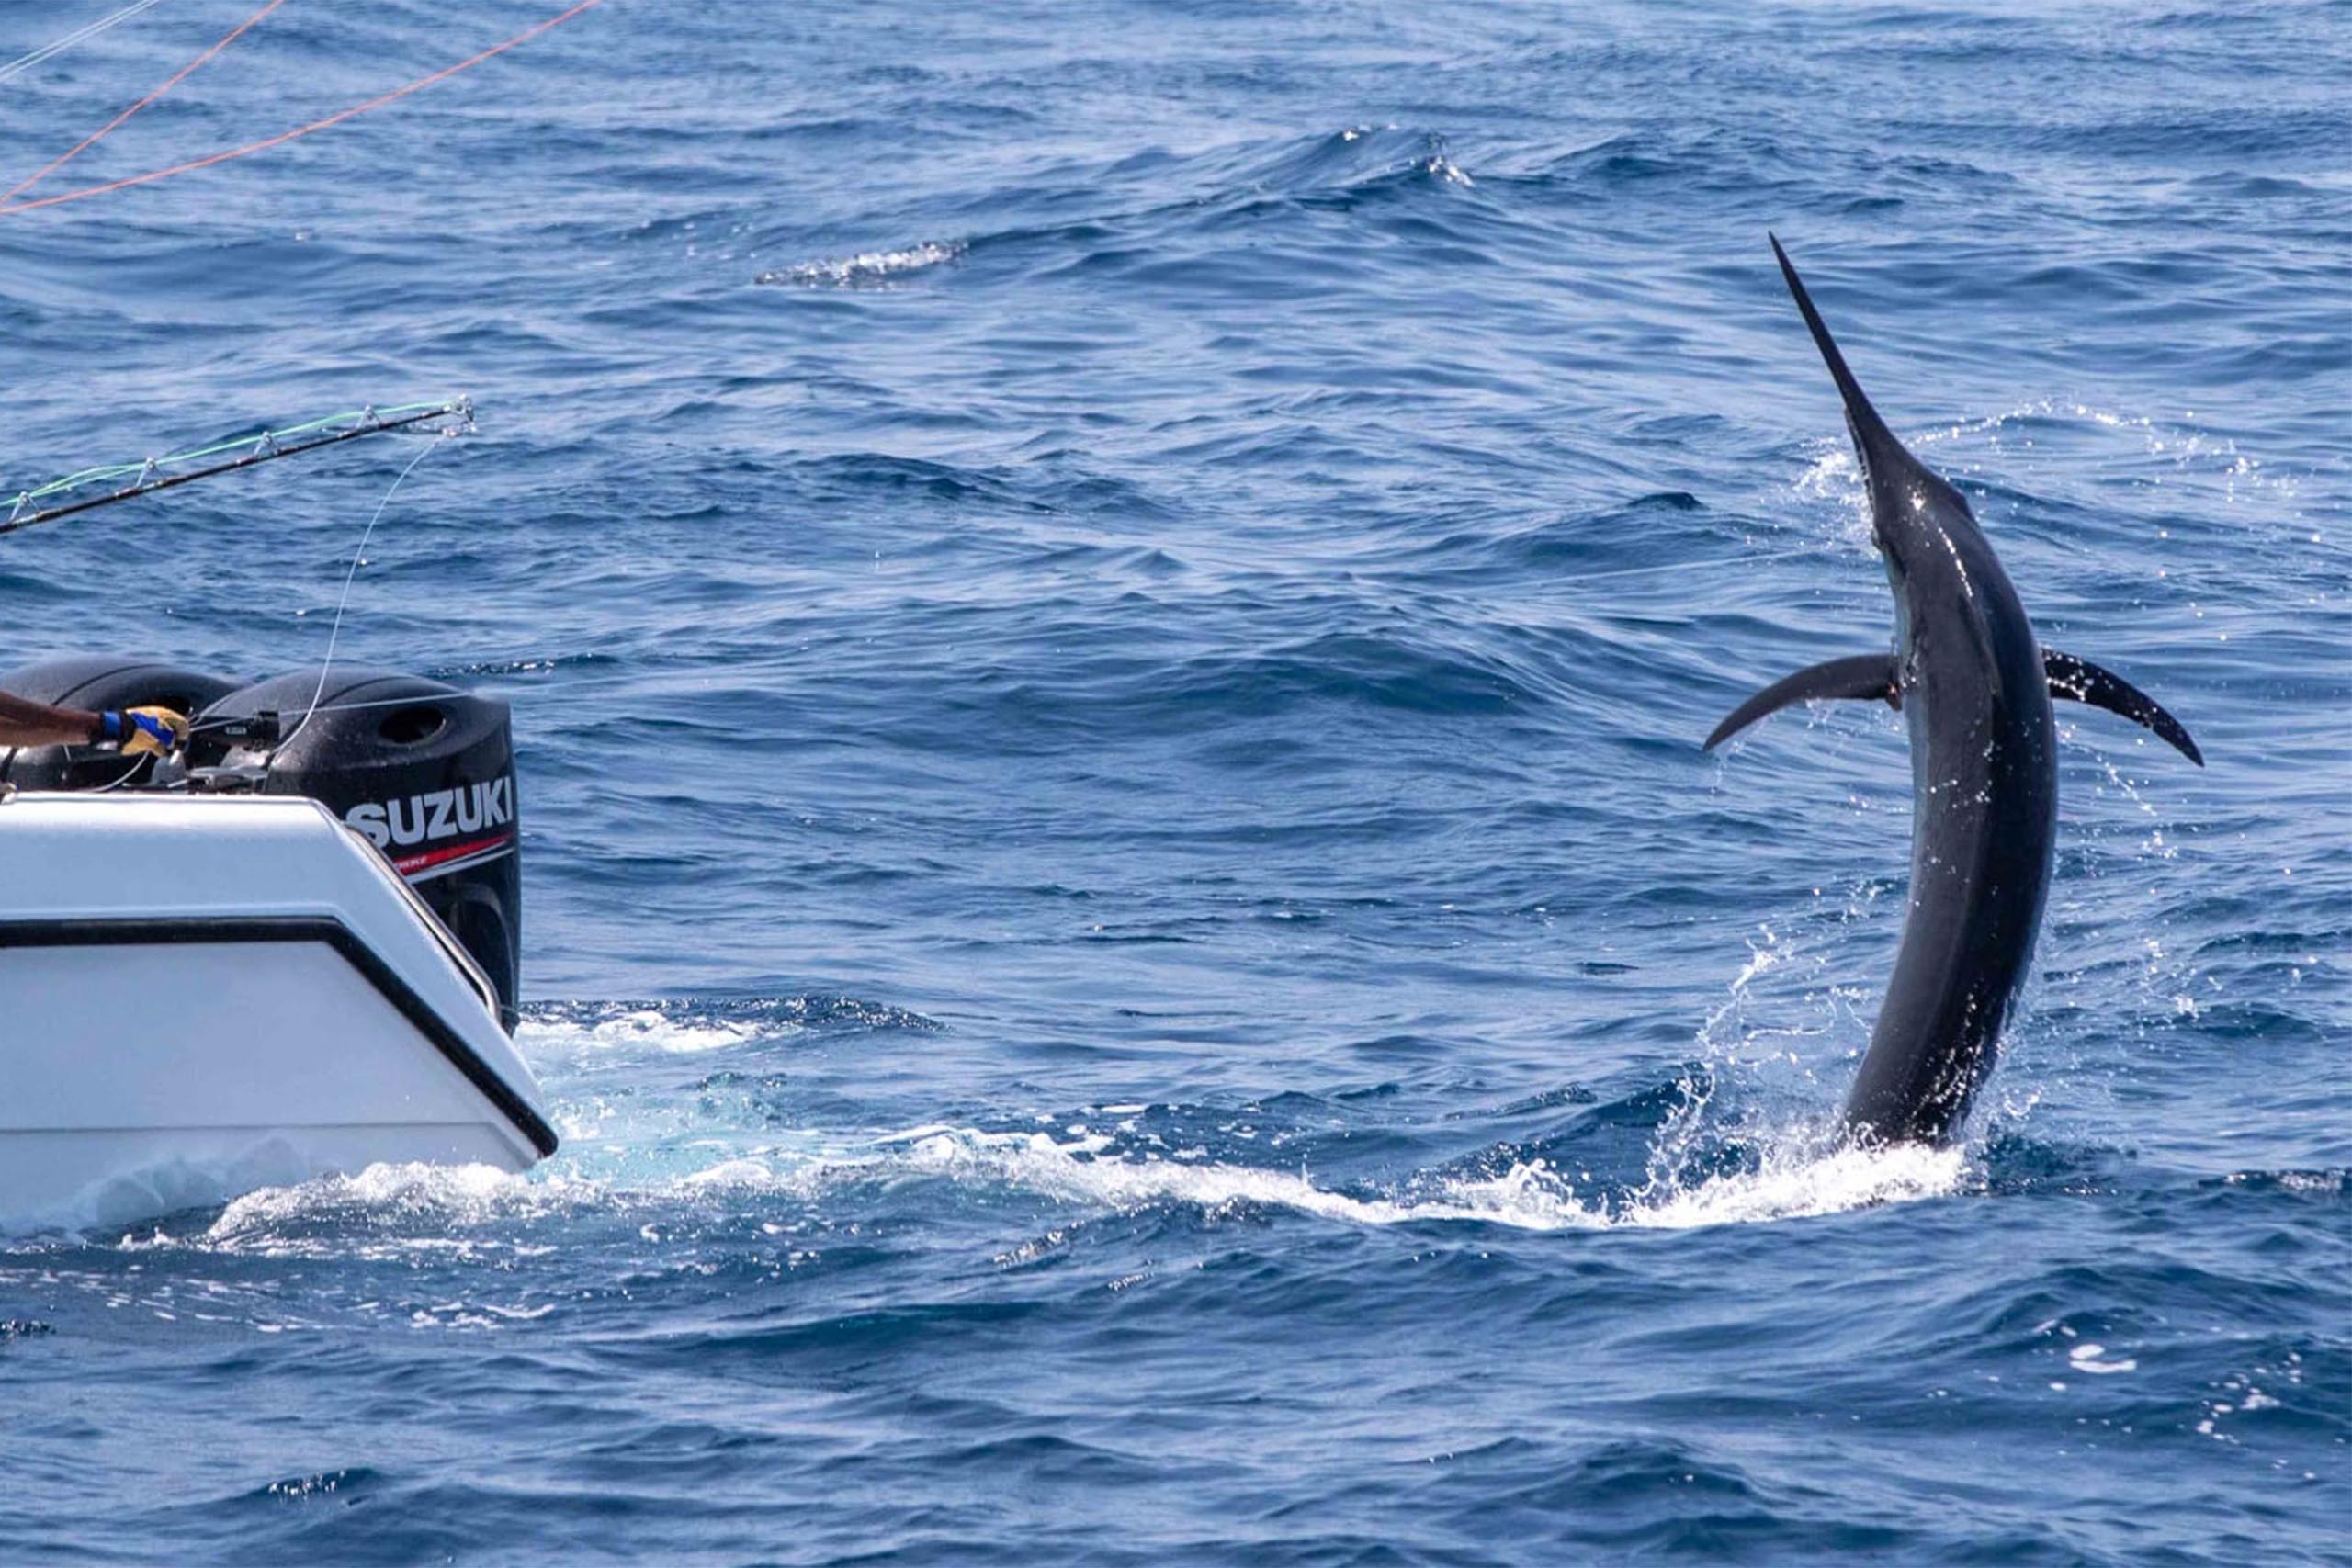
(866, 269)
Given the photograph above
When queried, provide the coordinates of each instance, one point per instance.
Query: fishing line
(127, 775)
(335, 629)
(15, 68)
(174, 80)
(238, 724)
(8, 204)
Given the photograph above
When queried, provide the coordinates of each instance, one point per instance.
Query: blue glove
(144, 732)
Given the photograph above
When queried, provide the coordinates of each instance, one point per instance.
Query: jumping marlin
(1974, 685)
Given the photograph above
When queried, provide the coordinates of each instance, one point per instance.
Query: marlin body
(1974, 685)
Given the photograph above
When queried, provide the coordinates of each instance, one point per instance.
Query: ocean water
(1109, 607)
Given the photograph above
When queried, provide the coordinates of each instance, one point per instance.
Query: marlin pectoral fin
(2087, 683)
(1870, 676)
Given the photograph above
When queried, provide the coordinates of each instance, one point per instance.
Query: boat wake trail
(1793, 1180)
(693, 1114)
(717, 1144)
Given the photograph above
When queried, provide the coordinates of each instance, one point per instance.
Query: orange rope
(299, 130)
(181, 75)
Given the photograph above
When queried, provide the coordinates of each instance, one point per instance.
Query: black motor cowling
(98, 683)
(426, 771)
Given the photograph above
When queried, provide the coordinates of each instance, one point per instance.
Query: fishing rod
(265, 449)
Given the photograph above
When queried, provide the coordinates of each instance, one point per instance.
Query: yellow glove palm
(153, 732)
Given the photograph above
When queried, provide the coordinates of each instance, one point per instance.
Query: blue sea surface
(1109, 606)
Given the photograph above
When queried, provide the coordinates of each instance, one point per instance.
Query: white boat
(204, 994)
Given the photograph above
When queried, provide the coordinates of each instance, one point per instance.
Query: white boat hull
(203, 996)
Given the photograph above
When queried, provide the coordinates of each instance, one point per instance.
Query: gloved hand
(144, 732)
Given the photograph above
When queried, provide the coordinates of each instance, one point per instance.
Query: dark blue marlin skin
(1974, 685)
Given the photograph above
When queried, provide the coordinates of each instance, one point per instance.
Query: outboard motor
(98, 683)
(426, 771)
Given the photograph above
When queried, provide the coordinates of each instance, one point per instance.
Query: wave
(670, 1028)
(1123, 213)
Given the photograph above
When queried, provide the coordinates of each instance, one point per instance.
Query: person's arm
(38, 724)
(140, 732)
